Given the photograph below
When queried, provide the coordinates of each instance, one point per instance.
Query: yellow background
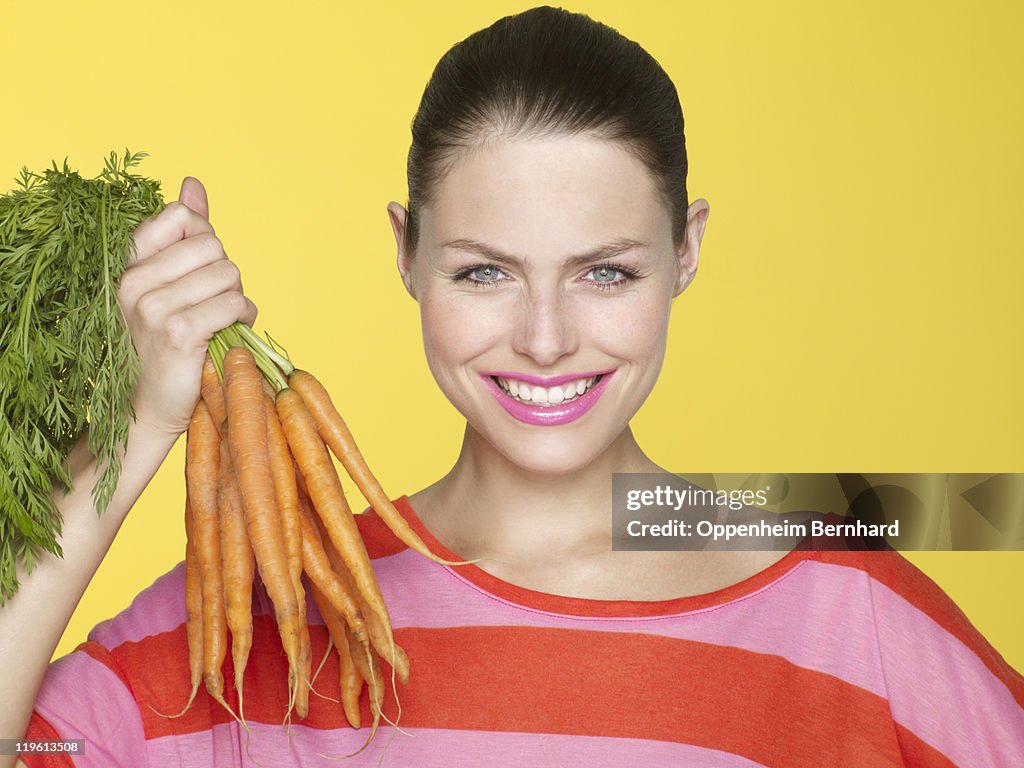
(858, 304)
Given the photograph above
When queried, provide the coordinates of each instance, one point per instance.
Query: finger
(175, 222)
(197, 324)
(170, 264)
(156, 306)
(193, 194)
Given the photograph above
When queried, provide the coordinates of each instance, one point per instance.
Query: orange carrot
(350, 682)
(286, 493)
(369, 670)
(202, 463)
(194, 612)
(247, 438)
(318, 568)
(380, 638)
(213, 392)
(359, 654)
(305, 662)
(239, 567)
(193, 605)
(336, 435)
(383, 643)
(321, 480)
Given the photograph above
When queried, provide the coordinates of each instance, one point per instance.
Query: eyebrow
(606, 251)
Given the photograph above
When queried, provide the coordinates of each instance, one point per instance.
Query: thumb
(193, 195)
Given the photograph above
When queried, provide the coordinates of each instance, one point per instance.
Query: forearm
(32, 622)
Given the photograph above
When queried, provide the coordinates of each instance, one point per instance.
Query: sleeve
(954, 699)
(40, 728)
(84, 696)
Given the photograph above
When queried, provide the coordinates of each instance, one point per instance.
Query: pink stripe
(820, 616)
(161, 608)
(784, 618)
(427, 748)
(82, 699)
(940, 689)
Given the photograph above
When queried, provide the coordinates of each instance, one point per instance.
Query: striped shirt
(825, 658)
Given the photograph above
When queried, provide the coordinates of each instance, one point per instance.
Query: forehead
(553, 194)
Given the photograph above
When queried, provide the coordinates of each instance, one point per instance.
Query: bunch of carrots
(263, 495)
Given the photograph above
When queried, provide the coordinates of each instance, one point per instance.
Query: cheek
(633, 327)
(453, 332)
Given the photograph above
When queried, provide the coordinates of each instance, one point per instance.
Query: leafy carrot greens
(67, 363)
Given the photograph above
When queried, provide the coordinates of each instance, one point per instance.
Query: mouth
(545, 397)
(547, 402)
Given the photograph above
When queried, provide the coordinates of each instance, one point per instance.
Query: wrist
(153, 433)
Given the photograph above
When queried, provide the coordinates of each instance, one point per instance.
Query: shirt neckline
(579, 606)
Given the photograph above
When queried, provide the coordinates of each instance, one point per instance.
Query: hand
(176, 293)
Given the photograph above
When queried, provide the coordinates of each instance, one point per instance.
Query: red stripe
(619, 608)
(919, 754)
(541, 680)
(916, 587)
(106, 658)
(157, 671)
(40, 728)
(888, 567)
(756, 705)
(379, 540)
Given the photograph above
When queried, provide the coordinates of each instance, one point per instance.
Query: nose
(545, 330)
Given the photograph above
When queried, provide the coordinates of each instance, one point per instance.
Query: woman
(548, 231)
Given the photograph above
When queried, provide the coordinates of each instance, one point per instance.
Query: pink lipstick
(547, 415)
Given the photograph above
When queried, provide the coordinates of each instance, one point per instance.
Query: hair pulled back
(547, 71)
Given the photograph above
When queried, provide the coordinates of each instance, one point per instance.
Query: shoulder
(93, 692)
(920, 627)
(900, 590)
(896, 587)
(937, 666)
(158, 608)
(141, 647)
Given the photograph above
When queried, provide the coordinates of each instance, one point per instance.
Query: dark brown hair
(540, 72)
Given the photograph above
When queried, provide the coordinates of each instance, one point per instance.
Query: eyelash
(465, 275)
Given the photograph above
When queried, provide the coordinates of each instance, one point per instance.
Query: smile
(547, 402)
(545, 397)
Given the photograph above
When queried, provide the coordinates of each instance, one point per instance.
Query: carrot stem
(252, 339)
(267, 359)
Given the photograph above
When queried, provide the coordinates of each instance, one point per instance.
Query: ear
(689, 250)
(399, 217)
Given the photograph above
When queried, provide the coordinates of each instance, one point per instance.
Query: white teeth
(544, 397)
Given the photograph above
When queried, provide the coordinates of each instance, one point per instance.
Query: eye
(481, 275)
(604, 274)
(486, 274)
(609, 276)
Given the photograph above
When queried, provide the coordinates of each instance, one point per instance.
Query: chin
(551, 454)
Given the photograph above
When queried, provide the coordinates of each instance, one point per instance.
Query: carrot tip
(195, 689)
(223, 702)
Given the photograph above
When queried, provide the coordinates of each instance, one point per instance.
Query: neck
(489, 507)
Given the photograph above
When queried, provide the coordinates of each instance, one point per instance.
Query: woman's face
(545, 273)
